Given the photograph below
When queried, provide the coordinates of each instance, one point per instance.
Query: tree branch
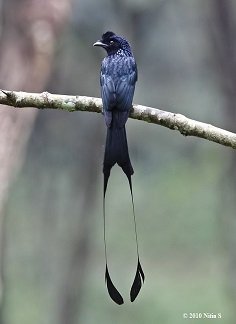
(186, 126)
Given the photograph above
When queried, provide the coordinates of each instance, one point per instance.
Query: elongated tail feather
(138, 281)
(139, 276)
(116, 151)
(113, 292)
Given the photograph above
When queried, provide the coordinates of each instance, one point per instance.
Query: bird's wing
(108, 97)
(124, 89)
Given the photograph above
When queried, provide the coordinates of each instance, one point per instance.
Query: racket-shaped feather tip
(113, 292)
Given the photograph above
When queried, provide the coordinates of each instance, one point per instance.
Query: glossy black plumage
(118, 77)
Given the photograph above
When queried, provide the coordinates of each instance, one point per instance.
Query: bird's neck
(120, 53)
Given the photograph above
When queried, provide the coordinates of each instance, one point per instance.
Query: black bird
(118, 77)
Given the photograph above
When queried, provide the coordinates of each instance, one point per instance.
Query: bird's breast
(117, 66)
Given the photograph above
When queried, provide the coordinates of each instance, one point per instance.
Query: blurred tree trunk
(28, 36)
(71, 290)
(223, 34)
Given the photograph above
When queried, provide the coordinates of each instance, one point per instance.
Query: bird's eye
(111, 42)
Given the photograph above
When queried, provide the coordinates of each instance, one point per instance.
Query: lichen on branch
(186, 126)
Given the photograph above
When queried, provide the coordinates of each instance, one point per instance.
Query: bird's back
(118, 78)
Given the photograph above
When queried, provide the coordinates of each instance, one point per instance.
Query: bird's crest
(108, 35)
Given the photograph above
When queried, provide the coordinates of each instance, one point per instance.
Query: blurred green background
(52, 254)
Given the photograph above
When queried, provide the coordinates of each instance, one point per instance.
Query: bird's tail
(116, 151)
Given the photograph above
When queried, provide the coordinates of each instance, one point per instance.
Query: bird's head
(112, 43)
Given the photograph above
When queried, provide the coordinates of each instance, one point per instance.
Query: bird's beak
(99, 43)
